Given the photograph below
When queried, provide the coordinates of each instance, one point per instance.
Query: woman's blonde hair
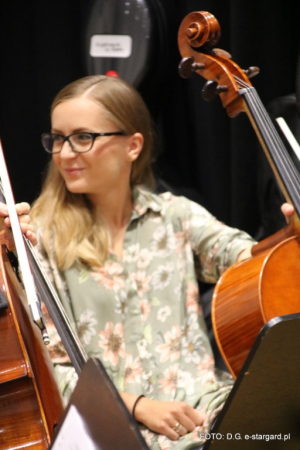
(70, 232)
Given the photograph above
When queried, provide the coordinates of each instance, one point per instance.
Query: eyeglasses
(79, 142)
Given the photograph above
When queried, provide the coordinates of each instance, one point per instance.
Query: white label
(73, 435)
(110, 46)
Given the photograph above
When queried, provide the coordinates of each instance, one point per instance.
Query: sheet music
(289, 135)
(73, 434)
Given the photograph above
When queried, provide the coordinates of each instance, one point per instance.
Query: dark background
(202, 151)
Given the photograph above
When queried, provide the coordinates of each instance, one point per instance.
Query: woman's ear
(135, 146)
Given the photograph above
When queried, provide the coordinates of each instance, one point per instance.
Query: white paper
(289, 136)
(110, 46)
(73, 434)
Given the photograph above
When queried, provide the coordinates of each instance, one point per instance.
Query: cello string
(281, 158)
(279, 150)
(289, 173)
(76, 344)
(267, 126)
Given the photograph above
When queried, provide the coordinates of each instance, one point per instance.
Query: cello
(30, 401)
(267, 285)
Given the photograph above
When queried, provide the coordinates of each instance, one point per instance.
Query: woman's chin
(75, 188)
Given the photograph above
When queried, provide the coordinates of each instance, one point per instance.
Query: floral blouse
(141, 315)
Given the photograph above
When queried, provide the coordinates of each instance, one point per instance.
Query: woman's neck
(115, 208)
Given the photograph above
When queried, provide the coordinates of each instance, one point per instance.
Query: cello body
(251, 293)
(30, 401)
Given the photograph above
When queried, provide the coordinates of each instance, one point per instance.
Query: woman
(125, 262)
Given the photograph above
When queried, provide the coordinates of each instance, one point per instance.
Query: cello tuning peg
(220, 52)
(187, 66)
(252, 71)
(211, 89)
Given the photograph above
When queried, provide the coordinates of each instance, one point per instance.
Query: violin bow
(27, 277)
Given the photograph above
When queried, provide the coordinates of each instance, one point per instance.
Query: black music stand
(265, 399)
(96, 417)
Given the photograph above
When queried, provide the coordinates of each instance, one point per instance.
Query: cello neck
(281, 162)
(200, 30)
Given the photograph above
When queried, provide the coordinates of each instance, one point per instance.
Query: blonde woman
(125, 262)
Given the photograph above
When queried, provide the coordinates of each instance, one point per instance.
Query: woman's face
(107, 165)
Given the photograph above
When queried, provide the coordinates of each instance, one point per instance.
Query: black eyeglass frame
(67, 138)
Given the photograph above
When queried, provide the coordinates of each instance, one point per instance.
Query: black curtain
(202, 151)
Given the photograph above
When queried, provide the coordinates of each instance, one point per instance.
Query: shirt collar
(144, 200)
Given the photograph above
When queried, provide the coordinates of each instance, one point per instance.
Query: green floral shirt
(141, 315)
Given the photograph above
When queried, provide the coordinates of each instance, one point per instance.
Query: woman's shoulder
(169, 203)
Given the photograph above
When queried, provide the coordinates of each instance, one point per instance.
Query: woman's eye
(57, 137)
(83, 137)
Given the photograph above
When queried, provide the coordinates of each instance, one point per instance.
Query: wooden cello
(267, 285)
(30, 402)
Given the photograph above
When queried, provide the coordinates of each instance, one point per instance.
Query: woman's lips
(73, 170)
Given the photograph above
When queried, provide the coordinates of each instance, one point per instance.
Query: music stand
(96, 417)
(264, 404)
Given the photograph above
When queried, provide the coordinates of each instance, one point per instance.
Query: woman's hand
(22, 210)
(172, 419)
(287, 210)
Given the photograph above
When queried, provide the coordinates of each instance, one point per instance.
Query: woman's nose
(67, 150)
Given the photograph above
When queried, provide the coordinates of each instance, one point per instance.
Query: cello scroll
(197, 36)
